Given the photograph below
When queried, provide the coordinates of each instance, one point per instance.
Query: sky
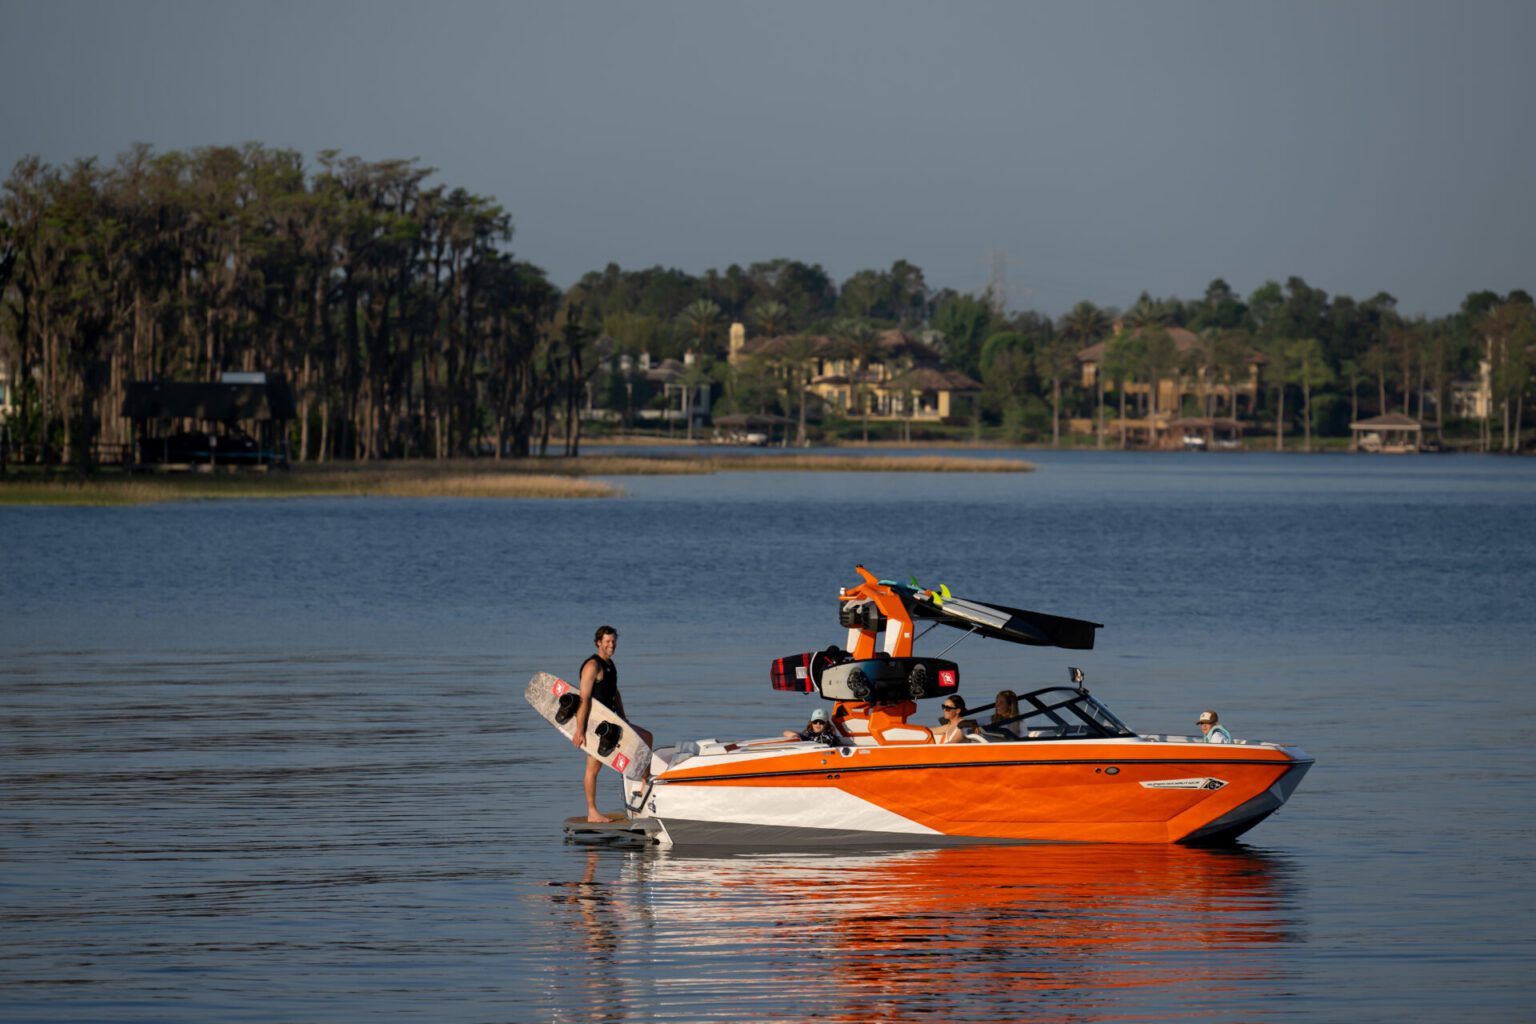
(1092, 149)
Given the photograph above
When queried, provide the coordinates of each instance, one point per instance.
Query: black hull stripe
(840, 770)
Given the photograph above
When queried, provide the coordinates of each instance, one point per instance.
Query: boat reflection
(1073, 931)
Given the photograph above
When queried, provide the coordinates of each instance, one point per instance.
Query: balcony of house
(1194, 393)
(925, 394)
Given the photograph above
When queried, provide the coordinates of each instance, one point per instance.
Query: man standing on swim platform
(600, 680)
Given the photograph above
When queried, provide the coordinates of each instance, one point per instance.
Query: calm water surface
(269, 761)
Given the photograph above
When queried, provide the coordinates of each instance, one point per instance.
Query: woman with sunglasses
(953, 727)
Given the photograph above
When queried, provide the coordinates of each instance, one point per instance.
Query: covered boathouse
(240, 421)
(1391, 433)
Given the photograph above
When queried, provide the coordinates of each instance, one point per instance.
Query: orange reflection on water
(1070, 932)
(1012, 924)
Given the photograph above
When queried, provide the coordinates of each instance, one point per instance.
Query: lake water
(269, 761)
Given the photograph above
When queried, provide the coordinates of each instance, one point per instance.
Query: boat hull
(1085, 791)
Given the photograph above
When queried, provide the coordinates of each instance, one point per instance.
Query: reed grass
(512, 478)
(643, 465)
(867, 464)
(142, 491)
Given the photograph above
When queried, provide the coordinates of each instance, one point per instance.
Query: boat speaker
(570, 703)
(860, 615)
(608, 736)
(917, 681)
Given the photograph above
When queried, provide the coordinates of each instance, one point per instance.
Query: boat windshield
(1063, 712)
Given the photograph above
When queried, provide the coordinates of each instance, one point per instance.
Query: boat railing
(1167, 737)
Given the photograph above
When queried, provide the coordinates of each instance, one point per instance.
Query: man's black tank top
(606, 686)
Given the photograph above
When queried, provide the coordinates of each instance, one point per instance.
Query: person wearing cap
(1213, 732)
(817, 730)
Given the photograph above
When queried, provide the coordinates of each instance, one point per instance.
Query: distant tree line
(1326, 361)
(408, 329)
(393, 307)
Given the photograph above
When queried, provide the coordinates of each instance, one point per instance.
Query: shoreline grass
(517, 479)
(868, 464)
(646, 465)
(140, 491)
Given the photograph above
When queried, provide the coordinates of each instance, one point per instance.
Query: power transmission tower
(998, 286)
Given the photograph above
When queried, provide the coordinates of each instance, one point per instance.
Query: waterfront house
(903, 380)
(1157, 398)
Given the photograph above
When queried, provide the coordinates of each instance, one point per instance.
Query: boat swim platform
(619, 830)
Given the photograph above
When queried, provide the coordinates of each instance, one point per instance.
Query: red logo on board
(620, 762)
(560, 687)
(947, 678)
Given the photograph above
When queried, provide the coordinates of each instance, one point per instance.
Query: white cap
(819, 715)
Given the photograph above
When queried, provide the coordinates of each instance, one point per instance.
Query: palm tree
(903, 364)
(1438, 348)
(1200, 363)
(1083, 326)
(1279, 353)
(795, 363)
(1309, 369)
(1148, 313)
(1159, 359)
(1509, 330)
(1121, 357)
(862, 345)
(694, 376)
(1055, 359)
(1374, 362)
(1350, 370)
(698, 321)
(1150, 319)
(771, 318)
(1233, 356)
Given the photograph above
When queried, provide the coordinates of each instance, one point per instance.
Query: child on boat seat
(817, 730)
(1214, 732)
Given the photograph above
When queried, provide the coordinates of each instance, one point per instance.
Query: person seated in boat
(1007, 710)
(817, 730)
(954, 728)
(1211, 728)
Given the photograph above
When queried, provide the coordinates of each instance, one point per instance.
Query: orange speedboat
(1064, 769)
